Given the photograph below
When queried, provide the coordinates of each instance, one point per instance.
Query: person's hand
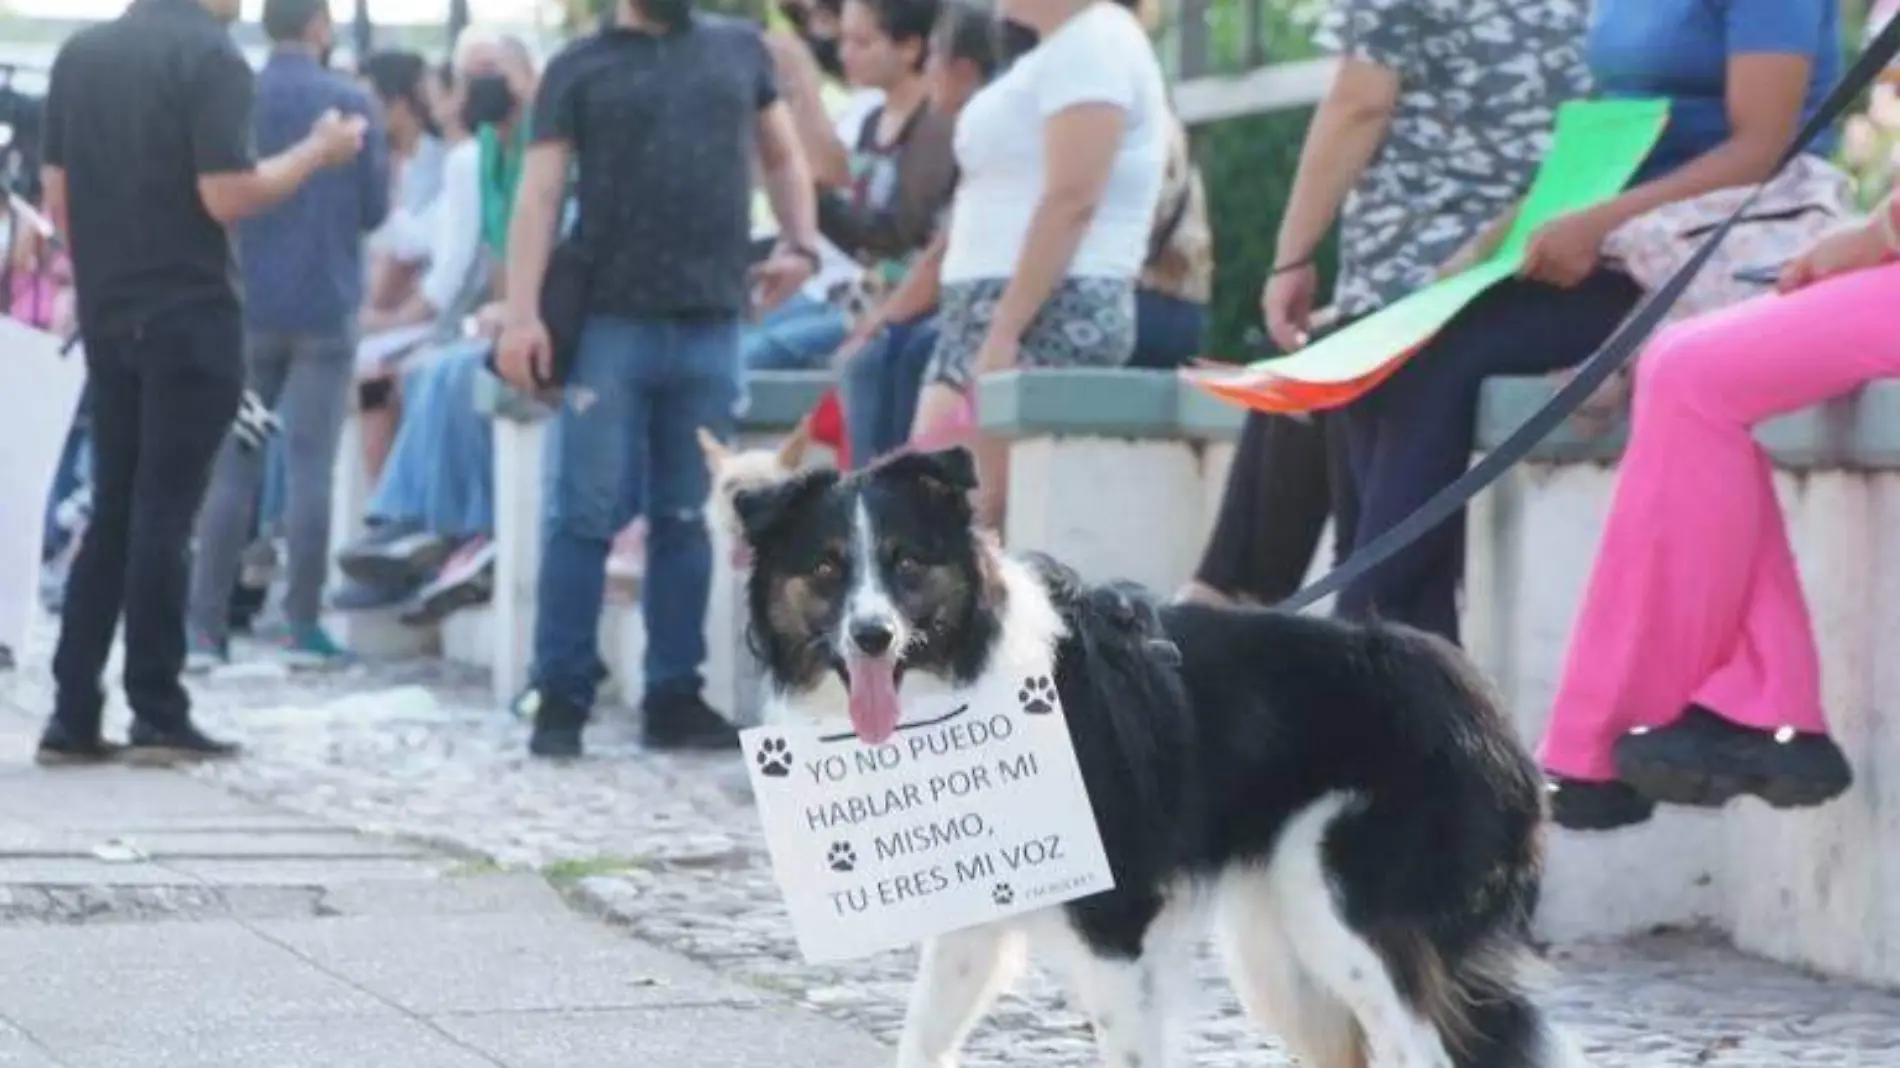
(1566, 249)
(779, 277)
(996, 355)
(489, 319)
(338, 137)
(525, 355)
(1841, 252)
(1286, 303)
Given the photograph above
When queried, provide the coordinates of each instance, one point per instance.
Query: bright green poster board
(1598, 146)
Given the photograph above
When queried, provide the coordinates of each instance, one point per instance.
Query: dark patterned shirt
(1479, 85)
(303, 260)
(664, 129)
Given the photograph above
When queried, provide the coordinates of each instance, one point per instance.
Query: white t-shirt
(1100, 56)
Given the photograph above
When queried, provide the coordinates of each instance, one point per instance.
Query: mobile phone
(1759, 275)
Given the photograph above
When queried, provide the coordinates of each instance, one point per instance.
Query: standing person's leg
(223, 524)
(1425, 423)
(1271, 514)
(315, 401)
(698, 380)
(191, 383)
(596, 450)
(1694, 595)
(866, 417)
(95, 585)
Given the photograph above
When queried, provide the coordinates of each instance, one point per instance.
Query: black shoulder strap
(1163, 235)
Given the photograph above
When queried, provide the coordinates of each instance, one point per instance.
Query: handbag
(564, 307)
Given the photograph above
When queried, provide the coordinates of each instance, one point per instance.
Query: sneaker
(203, 655)
(354, 596)
(150, 746)
(684, 721)
(1706, 761)
(61, 747)
(395, 555)
(558, 726)
(466, 579)
(310, 645)
(1582, 805)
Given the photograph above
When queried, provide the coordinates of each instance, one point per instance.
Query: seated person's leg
(1169, 331)
(461, 493)
(1423, 422)
(867, 418)
(1694, 625)
(401, 550)
(904, 381)
(799, 335)
(378, 413)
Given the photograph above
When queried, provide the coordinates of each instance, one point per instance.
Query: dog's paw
(774, 758)
(841, 857)
(1038, 695)
(1002, 894)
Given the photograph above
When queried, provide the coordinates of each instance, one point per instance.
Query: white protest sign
(973, 812)
(42, 388)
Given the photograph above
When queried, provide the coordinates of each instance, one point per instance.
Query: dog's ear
(715, 450)
(791, 451)
(764, 510)
(946, 472)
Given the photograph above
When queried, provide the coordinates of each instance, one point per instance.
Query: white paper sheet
(41, 388)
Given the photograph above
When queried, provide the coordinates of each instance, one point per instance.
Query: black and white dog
(1345, 807)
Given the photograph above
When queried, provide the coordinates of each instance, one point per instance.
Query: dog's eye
(905, 564)
(829, 566)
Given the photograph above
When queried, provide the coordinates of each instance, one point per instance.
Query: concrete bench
(500, 635)
(1817, 888)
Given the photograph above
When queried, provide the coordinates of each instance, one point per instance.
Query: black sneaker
(684, 721)
(150, 746)
(558, 725)
(1706, 761)
(395, 556)
(1581, 805)
(61, 747)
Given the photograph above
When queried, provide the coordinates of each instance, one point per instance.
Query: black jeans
(1288, 475)
(163, 397)
(1413, 435)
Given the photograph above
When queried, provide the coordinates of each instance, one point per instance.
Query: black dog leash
(1622, 345)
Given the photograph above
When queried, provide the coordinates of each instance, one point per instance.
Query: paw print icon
(1038, 695)
(774, 758)
(841, 857)
(1002, 894)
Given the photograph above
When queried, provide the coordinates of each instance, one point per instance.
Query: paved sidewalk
(148, 920)
(670, 847)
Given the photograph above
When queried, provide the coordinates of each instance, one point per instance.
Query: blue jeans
(441, 469)
(1168, 331)
(627, 437)
(881, 384)
(798, 335)
(74, 471)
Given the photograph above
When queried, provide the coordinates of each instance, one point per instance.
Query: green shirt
(501, 176)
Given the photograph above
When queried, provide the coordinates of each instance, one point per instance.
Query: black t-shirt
(137, 110)
(664, 128)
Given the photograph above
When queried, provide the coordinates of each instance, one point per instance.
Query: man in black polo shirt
(147, 163)
(664, 111)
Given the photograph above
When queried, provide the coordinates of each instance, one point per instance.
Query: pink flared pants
(1694, 595)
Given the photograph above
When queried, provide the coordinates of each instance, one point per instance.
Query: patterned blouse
(1479, 84)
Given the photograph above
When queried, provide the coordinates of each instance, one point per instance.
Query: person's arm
(53, 147)
(1347, 129)
(232, 183)
(456, 243)
(913, 297)
(532, 227)
(786, 178)
(802, 85)
(373, 176)
(1771, 50)
(926, 175)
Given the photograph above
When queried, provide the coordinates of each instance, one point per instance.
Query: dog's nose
(873, 637)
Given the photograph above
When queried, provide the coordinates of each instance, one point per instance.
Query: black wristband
(810, 256)
(1289, 268)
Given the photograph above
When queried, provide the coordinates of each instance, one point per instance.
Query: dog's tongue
(873, 698)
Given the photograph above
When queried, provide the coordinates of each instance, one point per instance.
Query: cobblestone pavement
(669, 847)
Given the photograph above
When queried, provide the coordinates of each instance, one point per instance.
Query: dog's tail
(1486, 1005)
